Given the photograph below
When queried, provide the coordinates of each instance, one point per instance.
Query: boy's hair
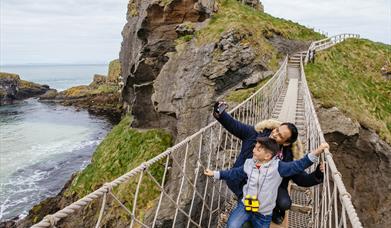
(294, 133)
(269, 144)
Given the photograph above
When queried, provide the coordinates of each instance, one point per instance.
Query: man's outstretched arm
(235, 127)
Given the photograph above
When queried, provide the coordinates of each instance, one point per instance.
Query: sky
(369, 18)
(89, 31)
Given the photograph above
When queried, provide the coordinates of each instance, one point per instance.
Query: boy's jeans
(239, 216)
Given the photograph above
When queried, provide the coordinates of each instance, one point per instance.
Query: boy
(264, 173)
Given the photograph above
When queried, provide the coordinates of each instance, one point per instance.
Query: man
(285, 134)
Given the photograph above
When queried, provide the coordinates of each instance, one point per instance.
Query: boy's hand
(321, 148)
(208, 172)
(324, 146)
(321, 167)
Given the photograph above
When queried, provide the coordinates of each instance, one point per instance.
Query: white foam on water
(40, 147)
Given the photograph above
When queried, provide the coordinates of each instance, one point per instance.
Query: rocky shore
(101, 96)
(14, 89)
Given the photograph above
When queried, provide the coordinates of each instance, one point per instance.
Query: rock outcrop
(12, 88)
(101, 96)
(114, 73)
(364, 160)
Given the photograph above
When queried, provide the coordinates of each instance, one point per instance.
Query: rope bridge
(184, 197)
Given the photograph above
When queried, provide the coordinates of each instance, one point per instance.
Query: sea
(43, 144)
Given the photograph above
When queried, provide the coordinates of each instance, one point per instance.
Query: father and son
(260, 175)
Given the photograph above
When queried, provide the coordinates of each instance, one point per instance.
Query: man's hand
(219, 108)
(321, 148)
(208, 172)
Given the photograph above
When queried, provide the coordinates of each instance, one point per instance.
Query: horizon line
(52, 64)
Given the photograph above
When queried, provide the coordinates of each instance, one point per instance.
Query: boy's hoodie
(264, 182)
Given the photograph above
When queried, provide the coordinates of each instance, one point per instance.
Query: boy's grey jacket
(272, 172)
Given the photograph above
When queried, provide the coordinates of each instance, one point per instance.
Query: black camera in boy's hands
(219, 107)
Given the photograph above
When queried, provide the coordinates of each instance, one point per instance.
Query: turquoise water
(58, 77)
(42, 144)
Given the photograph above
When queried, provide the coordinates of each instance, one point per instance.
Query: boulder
(114, 71)
(8, 87)
(255, 78)
(49, 95)
(184, 29)
(98, 80)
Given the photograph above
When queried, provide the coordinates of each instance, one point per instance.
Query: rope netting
(171, 190)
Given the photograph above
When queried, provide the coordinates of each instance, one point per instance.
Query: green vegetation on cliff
(122, 149)
(83, 90)
(233, 15)
(349, 77)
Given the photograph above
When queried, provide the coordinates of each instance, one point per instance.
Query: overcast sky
(369, 18)
(89, 31)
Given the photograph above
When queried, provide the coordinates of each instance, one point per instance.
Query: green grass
(348, 76)
(234, 15)
(242, 94)
(258, 26)
(4, 75)
(183, 39)
(123, 149)
(83, 90)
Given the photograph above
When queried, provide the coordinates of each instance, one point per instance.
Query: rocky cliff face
(148, 36)
(12, 88)
(171, 81)
(364, 160)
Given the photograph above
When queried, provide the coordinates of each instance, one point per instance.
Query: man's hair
(269, 144)
(292, 128)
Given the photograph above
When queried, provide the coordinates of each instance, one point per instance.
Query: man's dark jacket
(248, 135)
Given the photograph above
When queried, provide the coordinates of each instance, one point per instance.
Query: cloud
(371, 19)
(67, 31)
(89, 31)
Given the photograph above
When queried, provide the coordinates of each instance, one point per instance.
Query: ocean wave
(29, 185)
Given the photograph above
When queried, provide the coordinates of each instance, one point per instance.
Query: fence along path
(197, 201)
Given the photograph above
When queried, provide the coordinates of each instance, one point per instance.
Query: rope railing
(193, 199)
(180, 195)
(327, 42)
(332, 201)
